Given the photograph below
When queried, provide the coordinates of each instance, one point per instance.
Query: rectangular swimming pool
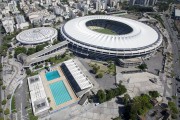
(59, 92)
(52, 75)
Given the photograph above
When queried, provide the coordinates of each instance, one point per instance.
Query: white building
(86, 9)
(13, 7)
(37, 35)
(98, 5)
(145, 3)
(38, 15)
(21, 23)
(8, 24)
(39, 100)
(78, 80)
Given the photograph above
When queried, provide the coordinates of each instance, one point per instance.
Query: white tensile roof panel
(77, 74)
(142, 35)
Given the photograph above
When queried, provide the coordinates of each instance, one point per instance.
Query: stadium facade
(87, 36)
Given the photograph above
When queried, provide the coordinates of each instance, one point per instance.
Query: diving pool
(52, 75)
(59, 92)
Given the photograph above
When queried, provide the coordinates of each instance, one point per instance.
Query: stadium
(104, 37)
(37, 35)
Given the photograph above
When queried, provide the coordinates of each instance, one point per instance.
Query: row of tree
(109, 94)
(29, 51)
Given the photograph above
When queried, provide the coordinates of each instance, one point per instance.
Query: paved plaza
(104, 111)
(138, 83)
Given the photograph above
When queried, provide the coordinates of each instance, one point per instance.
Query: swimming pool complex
(59, 92)
(52, 75)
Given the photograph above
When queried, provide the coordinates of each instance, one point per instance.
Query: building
(176, 14)
(21, 23)
(78, 80)
(39, 100)
(145, 3)
(127, 38)
(98, 5)
(8, 24)
(36, 17)
(13, 7)
(37, 35)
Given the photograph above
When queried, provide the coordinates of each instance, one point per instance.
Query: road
(176, 47)
(21, 100)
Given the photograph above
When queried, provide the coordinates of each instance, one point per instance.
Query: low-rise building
(78, 80)
(38, 15)
(39, 101)
(21, 23)
(13, 7)
(176, 14)
(8, 24)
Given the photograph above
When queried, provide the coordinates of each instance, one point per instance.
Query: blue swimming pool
(59, 92)
(52, 75)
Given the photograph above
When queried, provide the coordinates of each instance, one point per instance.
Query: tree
(109, 94)
(1, 118)
(101, 96)
(50, 108)
(173, 116)
(9, 96)
(1, 67)
(41, 47)
(142, 66)
(173, 107)
(28, 71)
(99, 75)
(154, 94)
(49, 100)
(126, 99)
(55, 42)
(95, 68)
(3, 102)
(31, 51)
(1, 83)
(122, 89)
(19, 50)
(3, 87)
(1, 110)
(6, 112)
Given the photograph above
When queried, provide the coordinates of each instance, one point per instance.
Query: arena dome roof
(37, 35)
(130, 34)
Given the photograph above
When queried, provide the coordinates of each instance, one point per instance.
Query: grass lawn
(105, 31)
(109, 69)
(13, 105)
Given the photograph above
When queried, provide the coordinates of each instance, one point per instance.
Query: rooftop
(37, 35)
(78, 75)
(177, 12)
(38, 96)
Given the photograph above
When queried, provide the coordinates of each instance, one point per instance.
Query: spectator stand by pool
(52, 75)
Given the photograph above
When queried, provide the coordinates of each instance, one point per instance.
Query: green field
(105, 31)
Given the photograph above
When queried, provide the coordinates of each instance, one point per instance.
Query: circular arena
(37, 35)
(103, 36)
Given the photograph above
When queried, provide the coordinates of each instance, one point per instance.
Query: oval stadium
(37, 35)
(104, 37)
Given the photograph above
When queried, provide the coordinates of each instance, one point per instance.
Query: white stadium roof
(36, 35)
(141, 35)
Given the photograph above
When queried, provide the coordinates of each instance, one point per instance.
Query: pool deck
(49, 93)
